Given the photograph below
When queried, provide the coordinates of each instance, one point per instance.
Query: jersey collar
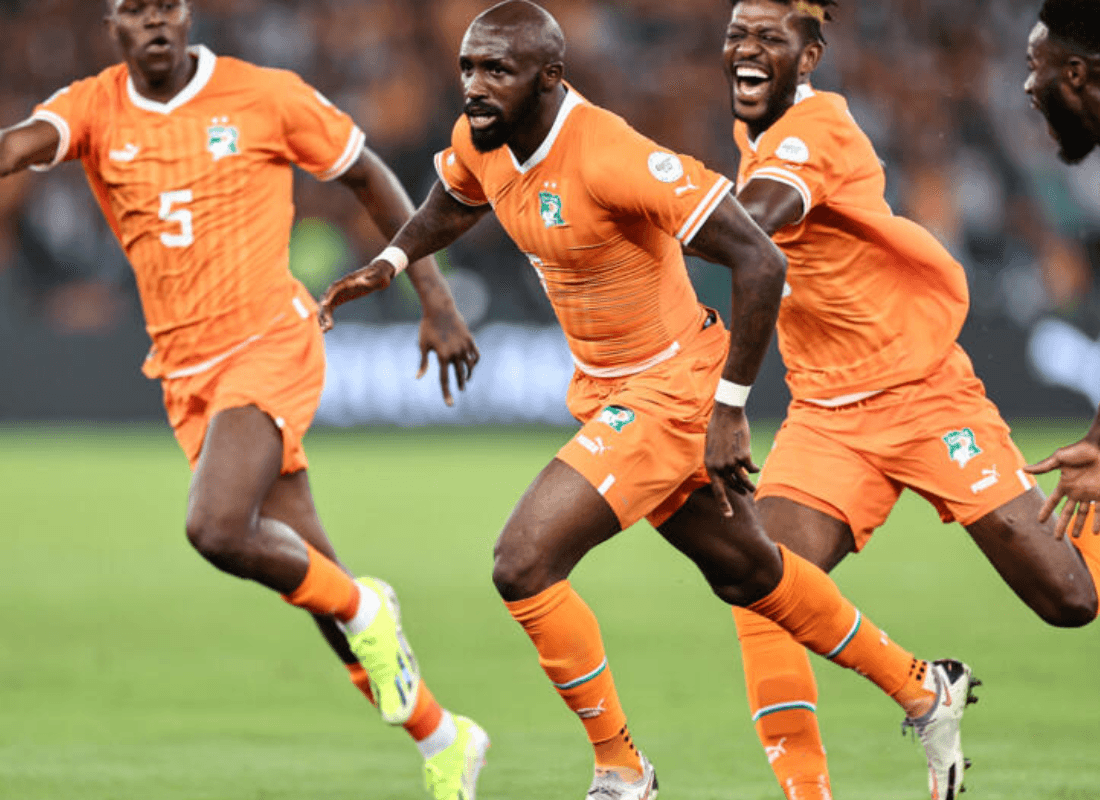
(803, 92)
(571, 101)
(198, 82)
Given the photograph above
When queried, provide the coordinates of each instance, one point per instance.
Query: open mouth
(158, 45)
(752, 82)
(481, 118)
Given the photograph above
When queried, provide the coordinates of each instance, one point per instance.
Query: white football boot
(940, 729)
(608, 784)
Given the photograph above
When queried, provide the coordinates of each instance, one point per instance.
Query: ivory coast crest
(222, 139)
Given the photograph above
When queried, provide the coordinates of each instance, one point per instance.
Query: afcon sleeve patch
(794, 150)
(665, 167)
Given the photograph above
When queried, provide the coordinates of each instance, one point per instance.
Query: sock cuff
(532, 608)
(325, 589)
(777, 599)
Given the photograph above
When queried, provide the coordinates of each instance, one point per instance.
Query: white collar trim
(571, 101)
(803, 92)
(207, 61)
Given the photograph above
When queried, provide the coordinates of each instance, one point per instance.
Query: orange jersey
(601, 213)
(198, 192)
(873, 300)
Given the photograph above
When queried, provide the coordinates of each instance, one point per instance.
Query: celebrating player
(883, 396)
(602, 213)
(189, 157)
(1063, 57)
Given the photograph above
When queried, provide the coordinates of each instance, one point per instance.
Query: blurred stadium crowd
(936, 83)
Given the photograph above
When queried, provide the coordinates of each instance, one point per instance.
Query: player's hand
(1079, 484)
(728, 458)
(446, 333)
(374, 277)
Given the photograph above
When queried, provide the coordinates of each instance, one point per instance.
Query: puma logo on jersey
(222, 138)
(776, 750)
(990, 478)
(681, 190)
(594, 446)
(127, 153)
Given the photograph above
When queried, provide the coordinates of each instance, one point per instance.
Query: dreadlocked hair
(1074, 22)
(814, 14)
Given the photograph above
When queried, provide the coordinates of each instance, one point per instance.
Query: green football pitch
(130, 670)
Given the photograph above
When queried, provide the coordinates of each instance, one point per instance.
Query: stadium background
(130, 670)
(936, 84)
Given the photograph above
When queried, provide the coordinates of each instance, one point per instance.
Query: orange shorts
(939, 436)
(281, 373)
(642, 437)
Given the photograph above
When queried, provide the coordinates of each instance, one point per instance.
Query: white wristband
(732, 394)
(396, 256)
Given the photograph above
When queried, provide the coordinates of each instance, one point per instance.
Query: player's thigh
(241, 458)
(558, 519)
(1048, 574)
(816, 465)
(818, 537)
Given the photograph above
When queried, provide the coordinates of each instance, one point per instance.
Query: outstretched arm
(31, 142)
(1079, 482)
(435, 225)
(731, 238)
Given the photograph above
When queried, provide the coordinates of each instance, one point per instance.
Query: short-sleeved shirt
(198, 191)
(601, 213)
(873, 300)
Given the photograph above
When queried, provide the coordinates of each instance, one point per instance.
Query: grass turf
(129, 669)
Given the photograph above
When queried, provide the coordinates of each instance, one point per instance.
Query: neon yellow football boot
(452, 774)
(386, 656)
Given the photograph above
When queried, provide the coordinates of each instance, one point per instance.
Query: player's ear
(810, 58)
(1076, 72)
(551, 76)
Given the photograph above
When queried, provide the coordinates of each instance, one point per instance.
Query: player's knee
(517, 576)
(217, 535)
(1076, 606)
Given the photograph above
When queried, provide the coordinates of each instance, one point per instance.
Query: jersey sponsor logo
(794, 150)
(550, 210)
(665, 167)
(222, 139)
(989, 478)
(961, 446)
(127, 153)
(616, 417)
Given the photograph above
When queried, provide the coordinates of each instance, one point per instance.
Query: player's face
(152, 34)
(765, 58)
(1066, 120)
(501, 90)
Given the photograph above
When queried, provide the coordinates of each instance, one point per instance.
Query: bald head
(530, 30)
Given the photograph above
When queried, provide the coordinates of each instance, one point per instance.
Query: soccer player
(602, 214)
(189, 156)
(883, 396)
(1063, 59)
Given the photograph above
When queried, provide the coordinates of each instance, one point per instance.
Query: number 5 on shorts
(186, 237)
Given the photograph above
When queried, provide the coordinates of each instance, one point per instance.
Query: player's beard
(501, 131)
(1075, 140)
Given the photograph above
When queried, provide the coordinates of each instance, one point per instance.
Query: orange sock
(425, 717)
(808, 604)
(326, 589)
(783, 701)
(567, 637)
